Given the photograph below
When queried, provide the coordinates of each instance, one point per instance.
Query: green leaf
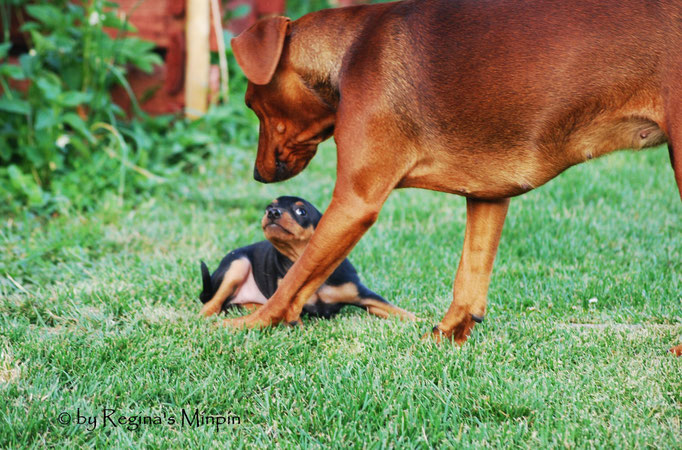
(15, 176)
(139, 53)
(15, 105)
(73, 98)
(49, 87)
(41, 43)
(4, 49)
(47, 14)
(12, 71)
(30, 26)
(79, 125)
(33, 154)
(75, 10)
(110, 20)
(45, 118)
(29, 64)
(72, 76)
(26, 185)
(5, 149)
(80, 145)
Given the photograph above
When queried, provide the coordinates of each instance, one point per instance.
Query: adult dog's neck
(319, 41)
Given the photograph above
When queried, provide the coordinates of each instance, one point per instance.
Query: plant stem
(87, 38)
(222, 58)
(123, 157)
(5, 88)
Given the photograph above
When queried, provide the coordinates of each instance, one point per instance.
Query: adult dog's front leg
(365, 178)
(481, 238)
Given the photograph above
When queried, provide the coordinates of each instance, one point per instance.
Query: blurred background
(96, 96)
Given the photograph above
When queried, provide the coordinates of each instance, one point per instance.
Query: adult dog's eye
(301, 211)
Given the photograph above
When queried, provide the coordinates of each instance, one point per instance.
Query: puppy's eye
(301, 211)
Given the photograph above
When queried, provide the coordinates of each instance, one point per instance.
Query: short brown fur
(483, 99)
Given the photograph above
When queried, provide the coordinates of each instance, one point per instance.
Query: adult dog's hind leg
(674, 129)
(673, 116)
(481, 238)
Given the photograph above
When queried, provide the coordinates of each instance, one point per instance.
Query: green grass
(106, 317)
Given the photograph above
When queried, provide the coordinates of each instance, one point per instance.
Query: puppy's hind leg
(386, 310)
(232, 280)
(357, 294)
(380, 307)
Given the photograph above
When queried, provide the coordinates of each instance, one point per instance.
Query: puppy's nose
(256, 174)
(274, 213)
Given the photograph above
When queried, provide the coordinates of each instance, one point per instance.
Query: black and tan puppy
(248, 276)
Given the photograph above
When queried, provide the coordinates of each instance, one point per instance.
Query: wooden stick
(198, 58)
(222, 58)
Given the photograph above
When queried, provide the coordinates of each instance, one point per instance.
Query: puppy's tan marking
(234, 278)
(348, 293)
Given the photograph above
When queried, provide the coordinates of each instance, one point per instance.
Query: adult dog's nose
(256, 174)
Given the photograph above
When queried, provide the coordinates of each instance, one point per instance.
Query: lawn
(98, 319)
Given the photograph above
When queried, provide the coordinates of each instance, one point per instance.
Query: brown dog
(483, 99)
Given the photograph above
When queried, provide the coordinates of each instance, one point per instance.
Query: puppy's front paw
(258, 319)
(209, 309)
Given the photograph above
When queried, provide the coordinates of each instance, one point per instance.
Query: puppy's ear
(258, 49)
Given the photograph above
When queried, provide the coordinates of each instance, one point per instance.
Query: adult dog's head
(293, 119)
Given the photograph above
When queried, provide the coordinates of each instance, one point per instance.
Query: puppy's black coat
(288, 224)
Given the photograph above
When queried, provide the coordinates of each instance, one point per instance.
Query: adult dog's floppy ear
(258, 49)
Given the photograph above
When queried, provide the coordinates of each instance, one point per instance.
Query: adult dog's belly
(488, 172)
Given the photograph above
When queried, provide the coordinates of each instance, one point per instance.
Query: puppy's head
(288, 223)
(293, 119)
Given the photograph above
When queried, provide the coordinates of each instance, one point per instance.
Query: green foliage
(63, 142)
(70, 68)
(298, 8)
